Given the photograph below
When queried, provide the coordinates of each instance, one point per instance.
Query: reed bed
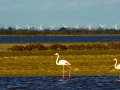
(64, 47)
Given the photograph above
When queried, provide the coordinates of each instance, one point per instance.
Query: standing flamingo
(63, 62)
(116, 66)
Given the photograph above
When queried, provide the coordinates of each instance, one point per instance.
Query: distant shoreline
(65, 35)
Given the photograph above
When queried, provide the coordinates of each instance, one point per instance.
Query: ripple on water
(48, 83)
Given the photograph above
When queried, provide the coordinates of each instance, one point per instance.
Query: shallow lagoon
(56, 83)
(28, 39)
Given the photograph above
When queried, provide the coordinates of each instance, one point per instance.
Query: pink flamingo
(63, 62)
(117, 66)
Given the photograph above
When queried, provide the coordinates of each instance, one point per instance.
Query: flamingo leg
(69, 71)
(63, 72)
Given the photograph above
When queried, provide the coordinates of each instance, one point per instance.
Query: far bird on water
(63, 62)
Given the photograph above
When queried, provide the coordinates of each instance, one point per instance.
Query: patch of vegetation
(45, 65)
(95, 46)
(28, 47)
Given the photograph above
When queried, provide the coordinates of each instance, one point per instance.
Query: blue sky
(50, 12)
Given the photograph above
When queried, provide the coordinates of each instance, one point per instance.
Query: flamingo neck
(57, 60)
(116, 64)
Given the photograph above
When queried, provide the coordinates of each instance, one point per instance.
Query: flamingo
(63, 62)
(116, 66)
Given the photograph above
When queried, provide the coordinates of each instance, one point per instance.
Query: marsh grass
(42, 63)
(45, 65)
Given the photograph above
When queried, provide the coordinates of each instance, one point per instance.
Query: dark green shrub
(96, 46)
(57, 47)
(41, 47)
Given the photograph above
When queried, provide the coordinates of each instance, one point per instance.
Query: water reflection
(55, 83)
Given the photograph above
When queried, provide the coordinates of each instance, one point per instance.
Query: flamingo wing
(118, 66)
(64, 62)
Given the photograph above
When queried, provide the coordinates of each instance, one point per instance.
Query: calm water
(22, 39)
(54, 83)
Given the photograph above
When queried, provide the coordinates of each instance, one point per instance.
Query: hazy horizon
(57, 12)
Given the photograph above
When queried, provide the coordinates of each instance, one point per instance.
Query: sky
(57, 12)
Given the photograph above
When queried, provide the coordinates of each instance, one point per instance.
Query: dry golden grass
(42, 63)
(45, 65)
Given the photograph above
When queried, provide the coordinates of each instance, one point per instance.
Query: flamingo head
(56, 54)
(114, 59)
